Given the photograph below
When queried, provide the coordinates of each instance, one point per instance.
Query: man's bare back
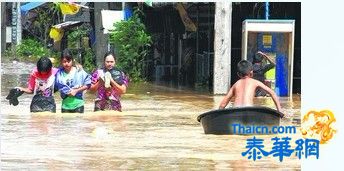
(244, 91)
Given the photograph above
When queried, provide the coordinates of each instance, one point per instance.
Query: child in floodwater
(71, 82)
(110, 83)
(41, 84)
(244, 89)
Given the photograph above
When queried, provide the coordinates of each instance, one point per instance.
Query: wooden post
(180, 53)
(222, 47)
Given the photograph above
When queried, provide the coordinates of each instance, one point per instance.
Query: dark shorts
(41, 103)
(77, 110)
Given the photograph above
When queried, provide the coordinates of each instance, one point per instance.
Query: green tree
(29, 49)
(76, 44)
(131, 42)
(47, 16)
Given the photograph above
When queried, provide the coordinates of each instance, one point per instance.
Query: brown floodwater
(157, 130)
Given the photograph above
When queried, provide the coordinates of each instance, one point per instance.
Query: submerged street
(157, 130)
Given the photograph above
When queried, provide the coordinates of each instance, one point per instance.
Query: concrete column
(3, 27)
(222, 47)
(19, 25)
(101, 46)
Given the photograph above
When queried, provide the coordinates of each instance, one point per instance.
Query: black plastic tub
(222, 121)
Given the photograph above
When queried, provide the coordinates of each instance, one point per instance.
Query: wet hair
(244, 68)
(44, 64)
(109, 53)
(66, 54)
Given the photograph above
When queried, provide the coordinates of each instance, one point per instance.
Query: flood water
(157, 130)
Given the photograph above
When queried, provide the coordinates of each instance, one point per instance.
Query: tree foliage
(131, 42)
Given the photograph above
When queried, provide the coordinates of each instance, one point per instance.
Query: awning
(68, 24)
(57, 31)
(29, 6)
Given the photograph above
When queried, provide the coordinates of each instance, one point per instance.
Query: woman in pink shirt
(110, 83)
(41, 84)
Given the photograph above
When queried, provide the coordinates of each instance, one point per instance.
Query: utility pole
(101, 45)
(222, 47)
